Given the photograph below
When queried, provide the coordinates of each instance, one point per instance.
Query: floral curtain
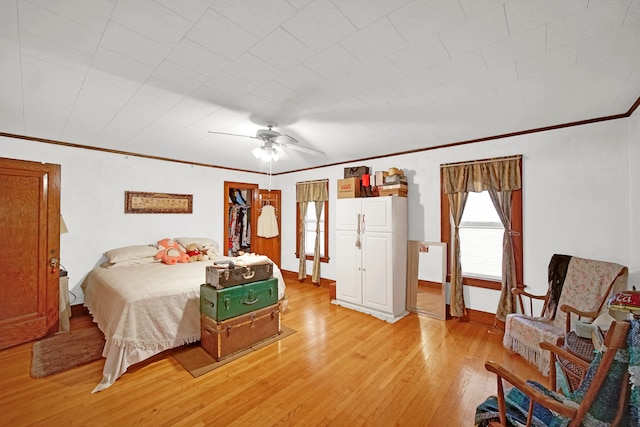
(312, 191)
(500, 177)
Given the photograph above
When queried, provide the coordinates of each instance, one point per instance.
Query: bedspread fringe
(154, 345)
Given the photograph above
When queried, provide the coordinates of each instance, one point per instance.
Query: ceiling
(352, 78)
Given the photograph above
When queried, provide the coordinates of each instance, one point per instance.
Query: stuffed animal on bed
(170, 252)
(195, 253)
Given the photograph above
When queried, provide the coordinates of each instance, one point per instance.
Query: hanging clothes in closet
(239, 230)
(239, 223)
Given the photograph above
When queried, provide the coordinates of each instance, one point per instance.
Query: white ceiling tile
(184, 114)
(192, 9)
(281, 50)
(148, 103)
(383, 96)
(531, 43)
(49, 94)
(133, 45)
(364, 12)
(416, 82)
(333, 62)
(93, 14)
(319, 25)
(252, 69)
(89, 117)
(221, 35)
(345, 86)
(258, 17)
(299, 4)
(152, 20)
(475, 33)
(274, 92)
(121, 66)
(626, 39)
(176, 78)
(230, 85)
(460, 67)
(420, 56)
(377, 74)
(633, 16)
(590, 22)
(197, 58)
(523, 15)
(11, 103)
(474, 8)
(420, 20)
(374, 42)
(57, 29)
(300, 79)
(550, 60)
(50, 52)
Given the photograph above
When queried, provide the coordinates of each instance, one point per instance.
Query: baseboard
(79, 310)
(481, 318)
(293, 275)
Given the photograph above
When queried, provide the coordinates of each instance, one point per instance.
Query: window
(481, 235)
(480, 238)
(310, 230)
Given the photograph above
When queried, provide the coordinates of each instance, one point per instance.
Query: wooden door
(30, 238)
(268, 246)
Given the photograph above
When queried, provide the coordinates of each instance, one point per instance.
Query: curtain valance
(500, 174)
(312, 191)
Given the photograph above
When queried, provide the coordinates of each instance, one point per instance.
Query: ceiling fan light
(258, 152)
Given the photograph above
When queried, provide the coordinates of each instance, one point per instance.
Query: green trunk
(222, 304)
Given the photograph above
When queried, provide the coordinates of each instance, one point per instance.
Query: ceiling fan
(273, 143)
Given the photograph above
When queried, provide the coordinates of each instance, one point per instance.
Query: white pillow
(128, 253)
(200, 241)
(137, 261)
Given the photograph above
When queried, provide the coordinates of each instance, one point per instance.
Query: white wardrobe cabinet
(371, 239)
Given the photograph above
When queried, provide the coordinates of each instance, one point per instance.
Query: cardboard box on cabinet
(348, 188)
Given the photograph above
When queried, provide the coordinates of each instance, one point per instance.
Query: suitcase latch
(248, 273)
(251, 299)
(227, 302)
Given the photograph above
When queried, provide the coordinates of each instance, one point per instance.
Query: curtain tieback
(512, 232)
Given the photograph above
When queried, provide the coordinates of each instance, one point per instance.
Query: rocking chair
(601, 398)
(578, 286)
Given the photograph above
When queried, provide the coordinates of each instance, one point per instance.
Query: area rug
(198, 362)
(65, 351)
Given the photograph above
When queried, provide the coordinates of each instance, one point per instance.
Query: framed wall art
(139, 202)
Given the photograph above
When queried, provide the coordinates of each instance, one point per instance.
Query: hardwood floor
(340, 368)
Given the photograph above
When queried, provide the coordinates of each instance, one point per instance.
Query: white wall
(575, 200)
(92, 201)
(580, 198)
(634, 200)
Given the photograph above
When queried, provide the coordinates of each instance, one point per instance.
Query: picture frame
(136, 202)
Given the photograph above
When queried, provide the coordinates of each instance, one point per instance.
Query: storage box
(222, 277)
(393, 190)
(348, 188)
(355, 172)
(223, 339)
(222, 304)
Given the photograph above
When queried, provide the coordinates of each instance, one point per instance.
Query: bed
(144, 307)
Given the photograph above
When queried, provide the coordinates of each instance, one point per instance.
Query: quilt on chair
(586, 285)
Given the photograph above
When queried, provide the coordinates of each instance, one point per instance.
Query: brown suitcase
(220, 277)
(222, 339)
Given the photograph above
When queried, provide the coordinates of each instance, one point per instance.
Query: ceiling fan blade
(284, 140)
(233, 134)
(307, 150)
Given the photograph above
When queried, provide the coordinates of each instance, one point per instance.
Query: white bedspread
(146, 309)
